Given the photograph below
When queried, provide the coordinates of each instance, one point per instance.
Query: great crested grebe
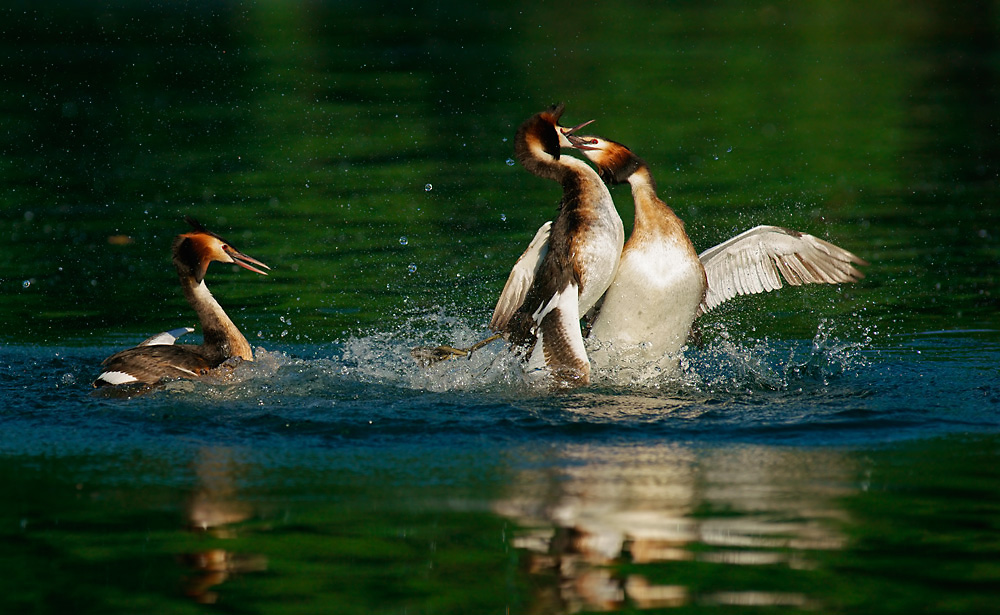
(568, 265)
(157, 359)
(663, 284)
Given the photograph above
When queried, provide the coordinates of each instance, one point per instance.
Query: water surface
(824, 449)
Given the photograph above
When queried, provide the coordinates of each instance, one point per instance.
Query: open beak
(578, 142)
(247, 262)
(582, 142)
(569, 131)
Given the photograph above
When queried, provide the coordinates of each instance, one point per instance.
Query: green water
(772, 528)
(829, 450)
(307, 135)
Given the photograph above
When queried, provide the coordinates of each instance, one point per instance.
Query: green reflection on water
(119, 545)
(595, 527)
(924, 532)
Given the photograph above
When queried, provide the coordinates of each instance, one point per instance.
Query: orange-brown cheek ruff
(194, 251)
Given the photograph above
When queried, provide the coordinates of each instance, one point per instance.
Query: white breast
(648, 310)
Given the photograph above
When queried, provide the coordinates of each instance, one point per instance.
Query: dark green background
(307, 133)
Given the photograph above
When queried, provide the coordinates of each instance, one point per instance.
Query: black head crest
(198, 227)
(195, 224)
(556, 110)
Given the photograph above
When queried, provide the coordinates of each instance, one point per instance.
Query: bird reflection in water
(615, 521)
(213, 509)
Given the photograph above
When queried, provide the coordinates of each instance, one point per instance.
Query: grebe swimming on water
(157, 359)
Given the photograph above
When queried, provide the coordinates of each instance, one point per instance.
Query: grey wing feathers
(167, 337)
(750, 263)
(521, 277)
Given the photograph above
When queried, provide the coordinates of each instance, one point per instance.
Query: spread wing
(521, 278)
(750, 263)
(167, 337)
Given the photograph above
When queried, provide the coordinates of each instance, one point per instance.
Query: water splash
(383, 357)
(378, 364)
(727, 365)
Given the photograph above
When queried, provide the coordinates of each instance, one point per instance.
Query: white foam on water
(382, 358)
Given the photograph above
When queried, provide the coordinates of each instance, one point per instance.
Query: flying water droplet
(403, 240)
(510, 162)
(503, 217)
(412, 268)
(428, 187)
(26, 283)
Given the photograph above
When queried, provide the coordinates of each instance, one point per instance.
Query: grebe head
(195, 250)
(615, 163)
(542, 133)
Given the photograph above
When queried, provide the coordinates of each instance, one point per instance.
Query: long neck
(582, 186)
(537, 161)
(651, 213)
(222, 338)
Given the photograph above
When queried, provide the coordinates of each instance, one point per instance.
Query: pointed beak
(569, 131)
(575, 141)
(247, 262)
(582, 143)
